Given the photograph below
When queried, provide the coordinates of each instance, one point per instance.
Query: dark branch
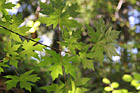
(30, 39)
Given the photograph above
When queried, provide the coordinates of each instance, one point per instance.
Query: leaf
(76, 34)
(100, 26)
(52, 87)
(29, 48)
(94, 36)
(3, 64)
(3, 31)
(106, 81)
(3, 8)
(13, 82)
(65, 34)
(98, 54)
(25, 84)
(78, 90)
(69, 68)
(137, 76)
(68, 23)
(12, 49)
(135, 83)
(15, 37)
(86, 62)
(71, 10)
(58, 3)
(46, 9)
(8, 5)
(55, 71)
(13, 61)
(81, 81)
(127, 78)
(46, 61)
(6, 16)
(108, 89)
(57, 16)
(114, 84)
(104, 37)
(110, 51)
(25, 80)
(73, 87)
(14, 26)
(111, 35)
(49, 20)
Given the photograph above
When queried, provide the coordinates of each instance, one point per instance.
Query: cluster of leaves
(62, 16)
(114, 86)
(25, 80)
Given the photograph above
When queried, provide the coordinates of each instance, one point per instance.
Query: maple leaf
(24, 79)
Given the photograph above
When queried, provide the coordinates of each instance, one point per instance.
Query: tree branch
(31, 39)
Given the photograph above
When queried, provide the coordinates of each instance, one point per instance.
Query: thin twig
(16, 71)
(61, 54)
(118, 8)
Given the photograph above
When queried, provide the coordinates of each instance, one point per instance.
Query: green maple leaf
(13, 61)
(3, 64)
(13, 24)
(17, 21)
(57, 16)
(15, 27)
(100, 26)
(81, 81)
(29, 48)
(46, 61)
(104, 38)
(47, 9)
(94, 35)
(53, 19)
(71, 10)
(25, 80)
(55, 71)
(85, 62)
(12, 49)
(52, 87)
(13, 82)
(110, 51)
(3, 6)
(68, 23)
(56, 58)
(97, 53)
(69, 68)
(74, 89)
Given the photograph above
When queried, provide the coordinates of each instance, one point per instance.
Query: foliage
(24, 79)
(80, 55)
